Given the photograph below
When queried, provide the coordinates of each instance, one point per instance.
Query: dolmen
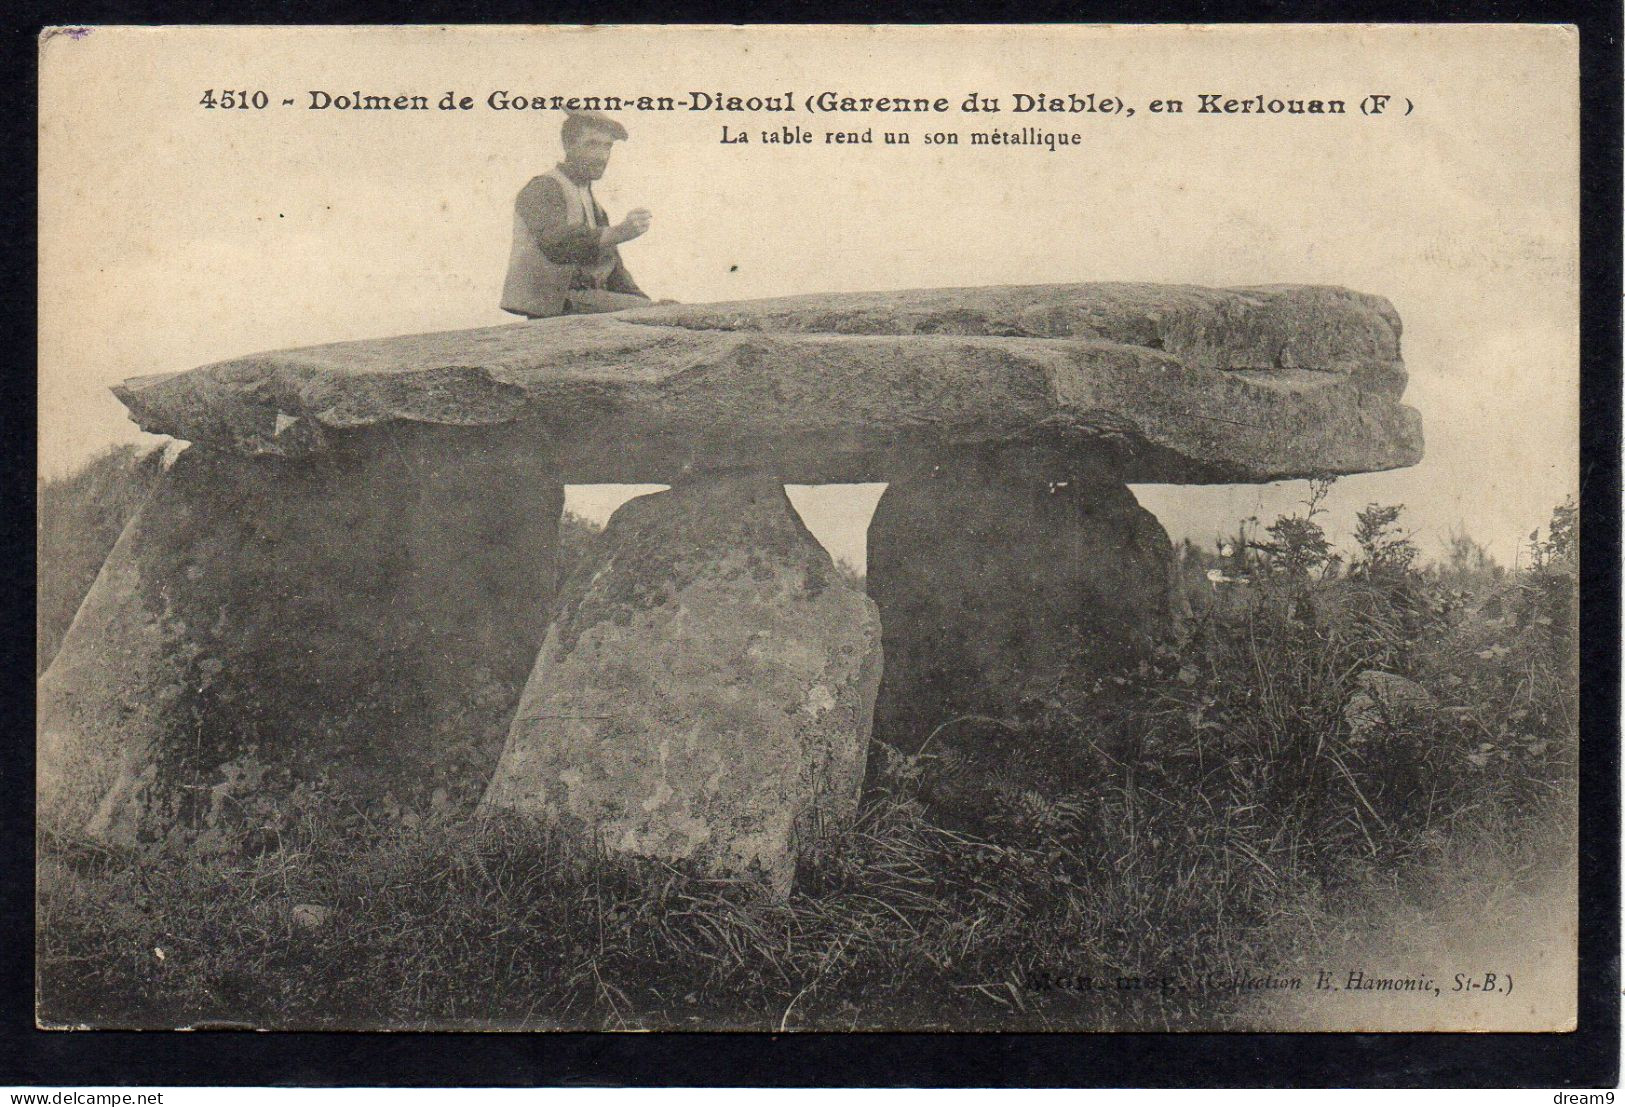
(348, 581)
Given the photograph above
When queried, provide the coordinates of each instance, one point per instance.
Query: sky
(174, 235)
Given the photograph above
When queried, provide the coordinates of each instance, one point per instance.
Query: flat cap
(596, 120)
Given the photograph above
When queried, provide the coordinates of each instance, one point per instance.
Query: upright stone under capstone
(995, 584)
(706, 689)
(360, 621)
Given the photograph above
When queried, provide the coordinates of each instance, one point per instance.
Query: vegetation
(79, 518)
(1117, 856)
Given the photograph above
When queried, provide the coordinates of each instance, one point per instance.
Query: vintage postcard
(1063, 528)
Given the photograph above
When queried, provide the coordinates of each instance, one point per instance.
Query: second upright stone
(996, 585)
(706, 688)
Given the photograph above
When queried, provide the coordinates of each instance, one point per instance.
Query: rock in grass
(1384, 699)
(310, 916)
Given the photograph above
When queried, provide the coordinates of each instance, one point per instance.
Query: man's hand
(635, 223)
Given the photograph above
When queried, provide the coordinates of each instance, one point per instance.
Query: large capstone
(359, 622)
(705, 690)
(996, 586)
(1158, 383)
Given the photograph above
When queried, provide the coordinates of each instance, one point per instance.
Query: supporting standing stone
(992, 583)
(706, 688)
(364, 619)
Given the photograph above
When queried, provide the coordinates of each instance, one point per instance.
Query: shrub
(576, 535)
(79, 518)
(1297, 547)
(1386, 552)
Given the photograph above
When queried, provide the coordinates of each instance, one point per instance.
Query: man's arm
(619, 280)
(541, 208)
(635, 223)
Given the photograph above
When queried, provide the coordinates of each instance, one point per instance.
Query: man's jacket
(555, 249)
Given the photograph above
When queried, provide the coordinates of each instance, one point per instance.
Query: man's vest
(537, 286)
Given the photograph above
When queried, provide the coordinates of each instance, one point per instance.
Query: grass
(1488, 899)
(1106, 859)
(895, 922)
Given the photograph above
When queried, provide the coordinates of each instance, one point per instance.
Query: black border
(1586, 1058)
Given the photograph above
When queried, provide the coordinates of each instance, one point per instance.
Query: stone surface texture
(993, 586)
(364, 624)
(705, 690)
(1163, 383)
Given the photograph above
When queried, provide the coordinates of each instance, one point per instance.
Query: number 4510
(231, 99)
